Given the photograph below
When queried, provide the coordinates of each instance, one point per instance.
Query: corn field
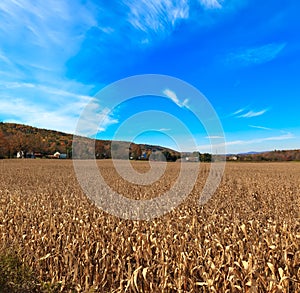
(245, 239)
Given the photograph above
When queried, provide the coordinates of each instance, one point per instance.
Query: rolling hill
(44, 143)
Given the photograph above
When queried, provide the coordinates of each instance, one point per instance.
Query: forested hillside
(38, 142)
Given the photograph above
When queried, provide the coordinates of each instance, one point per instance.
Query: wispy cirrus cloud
(244, 113)
(251, 114)
(164, 129)
(282, 137)
(62, 119)
(25, 112)
(94, 119)
(39, 38)
(214, 137)
(211, 3)
(45, 27)
(247, 143)
(260, 127)
(238, 111)
(3, 58)
(263, 139)
(172, 95)
(58, 108)
(254, 55)
(159, 17)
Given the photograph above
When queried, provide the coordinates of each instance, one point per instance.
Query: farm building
(20, 154)
(56, 155)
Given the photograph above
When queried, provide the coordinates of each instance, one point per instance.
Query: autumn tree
(135, 151)
(4, 148)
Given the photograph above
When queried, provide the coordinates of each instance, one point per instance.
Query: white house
(56, 155)
(20, 154)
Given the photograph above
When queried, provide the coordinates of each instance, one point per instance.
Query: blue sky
(55, 56)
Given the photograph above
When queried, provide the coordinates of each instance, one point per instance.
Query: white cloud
(238, 111)
(164, 129)
(260, 140)
(251, 114)
(22, 111)
(59, 113)
(211, 3)
(48, 94)
(251, 143)
(94, 119)
(172, 95)
(255, 55)
(44, 22)
(42, 33)
(3, 58)
(260, 127)
(248, 114)
(159, 17)
(214, 137)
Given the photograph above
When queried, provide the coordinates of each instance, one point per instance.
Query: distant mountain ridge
(270, 156)
(252, 153)
(44, 142)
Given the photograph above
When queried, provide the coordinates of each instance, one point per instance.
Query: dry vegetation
(245, 239)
